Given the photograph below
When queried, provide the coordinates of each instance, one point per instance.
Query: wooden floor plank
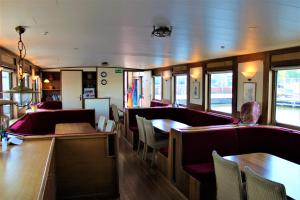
(140, 182)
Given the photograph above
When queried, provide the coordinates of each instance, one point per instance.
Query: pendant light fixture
(22, 96)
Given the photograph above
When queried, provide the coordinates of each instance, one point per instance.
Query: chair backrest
(140, 124)
(101, 123)
(228, 179)
(261, 188)
(110, 126)
(149, 132)
(115, 113)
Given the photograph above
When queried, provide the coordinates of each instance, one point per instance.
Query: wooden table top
(68, 128)
(165, 125)
(23, 169)
(273, 168)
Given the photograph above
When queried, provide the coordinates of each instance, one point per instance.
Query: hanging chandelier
(22, 96)
(161, 31)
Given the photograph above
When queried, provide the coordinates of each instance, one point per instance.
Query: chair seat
(203, 171)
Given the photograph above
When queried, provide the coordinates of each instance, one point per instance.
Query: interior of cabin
(154, 100)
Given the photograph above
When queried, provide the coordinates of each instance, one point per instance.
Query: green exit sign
(118, 71)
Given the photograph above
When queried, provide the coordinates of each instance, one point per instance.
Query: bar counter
(24, 169)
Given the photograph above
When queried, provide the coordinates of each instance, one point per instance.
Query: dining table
(73, 128)
(165, 125)
(272, 168)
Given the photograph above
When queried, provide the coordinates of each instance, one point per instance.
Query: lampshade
(46, 81)
(249, 75)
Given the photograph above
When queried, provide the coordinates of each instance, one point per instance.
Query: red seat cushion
(201, 171)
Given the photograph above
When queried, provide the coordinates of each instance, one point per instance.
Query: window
(287, 108)
(26, 80)
(221, 92)
(157, 87)
(6, 85)
(181, 89)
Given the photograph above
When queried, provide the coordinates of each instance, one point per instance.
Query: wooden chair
(142, 136)
(101, 123)
(116, 118)
(151, 140)
(261, 188)
(110, 126)
(228, 179)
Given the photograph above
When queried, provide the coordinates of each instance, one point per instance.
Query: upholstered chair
(101, 123)
(260, 188)
(228, 179)
(142, 136)
(250, 113)
(151, 139)
(110, 126)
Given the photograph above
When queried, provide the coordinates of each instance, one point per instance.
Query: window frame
(161, 87)
(10, 86)
(187, 88)
(275, 70)
(209, 91)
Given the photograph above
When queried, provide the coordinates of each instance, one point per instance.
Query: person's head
(250, 112)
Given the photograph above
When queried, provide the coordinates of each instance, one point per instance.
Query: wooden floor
(138, 181)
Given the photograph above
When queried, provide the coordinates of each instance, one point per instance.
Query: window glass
(221, 92)
(6, 85)
(288, 97)
(157, 87)
(181, 89)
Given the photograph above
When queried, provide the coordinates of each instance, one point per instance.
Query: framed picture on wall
(249, 91)
(196, 90)
(89, 93)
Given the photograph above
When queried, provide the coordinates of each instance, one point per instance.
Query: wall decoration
(103, 74)
(103, 82)
(89, 93)
(196, 90)
(249, 91)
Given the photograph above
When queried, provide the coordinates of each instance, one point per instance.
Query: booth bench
(190, 160)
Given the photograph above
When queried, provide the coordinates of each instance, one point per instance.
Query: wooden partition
(85, 168)
(79, 166)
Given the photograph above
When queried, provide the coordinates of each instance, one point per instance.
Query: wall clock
(103, 74)
(103, 82)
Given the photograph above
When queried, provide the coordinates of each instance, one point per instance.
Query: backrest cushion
(198, 146)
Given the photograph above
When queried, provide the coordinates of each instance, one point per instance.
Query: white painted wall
(258, 79)
(113, 88)
(196, 74)
(167, 85)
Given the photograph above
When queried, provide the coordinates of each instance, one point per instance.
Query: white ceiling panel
(88, 32)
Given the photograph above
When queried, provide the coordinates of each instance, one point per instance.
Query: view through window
(288, 97)
(181, 89)
(221, 92)
(157, 87)
(6, 85)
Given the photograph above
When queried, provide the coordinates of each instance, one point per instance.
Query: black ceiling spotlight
(104, 63)
(161, 31)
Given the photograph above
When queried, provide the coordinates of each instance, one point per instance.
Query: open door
(71, 89)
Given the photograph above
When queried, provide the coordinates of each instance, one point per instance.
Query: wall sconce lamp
(249, 75)
(166, 77)
(195, 77)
